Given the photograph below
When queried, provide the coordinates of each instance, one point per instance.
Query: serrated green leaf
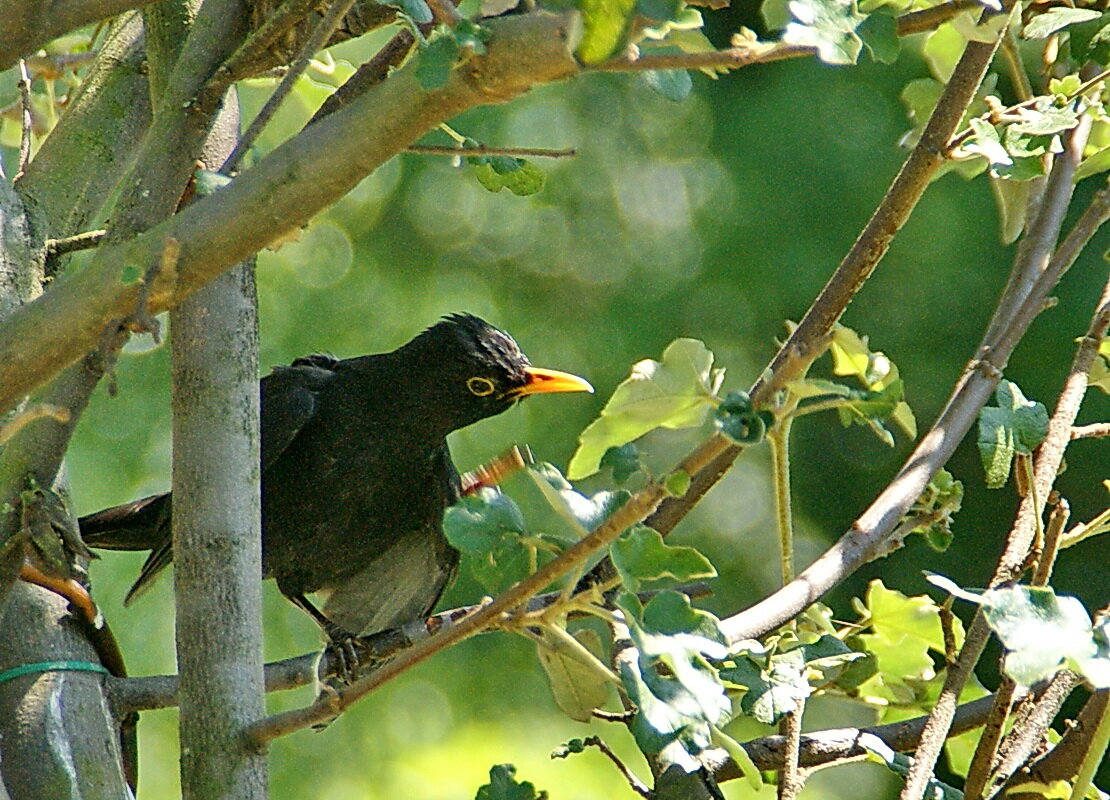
(1016, 425)
(576, 686)
(676, 392)
(828, 25)
(673, 84)
(604, 26)
(903, 631)
(503, 785)
(641, 555)
(879, 33)
(1054, 19)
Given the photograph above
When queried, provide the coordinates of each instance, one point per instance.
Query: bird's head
(477, 371)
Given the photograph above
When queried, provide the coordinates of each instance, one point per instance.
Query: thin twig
(1049, 458)
(369, 74)
(485, 150)
(929, 19)
(790, 778)
(1015, 66)
(1097, 430)
(26, 119)
(444, 12)
(986, 751)
(320, 35)
(1057, 520)
(630, 777)
(743, 55)
(52, 248)
(239, 64)
(1032, 720)
(822, 748)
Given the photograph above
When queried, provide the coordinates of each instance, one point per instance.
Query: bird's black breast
(349, 485)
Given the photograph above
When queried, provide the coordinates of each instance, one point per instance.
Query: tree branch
(281, 193)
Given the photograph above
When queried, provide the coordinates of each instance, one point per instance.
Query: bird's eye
(480, 387)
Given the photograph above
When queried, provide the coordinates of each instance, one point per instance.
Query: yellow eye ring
(480, 387)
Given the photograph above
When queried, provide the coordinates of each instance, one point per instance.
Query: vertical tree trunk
(217, 541)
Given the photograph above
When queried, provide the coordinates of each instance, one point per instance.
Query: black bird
(356, 473)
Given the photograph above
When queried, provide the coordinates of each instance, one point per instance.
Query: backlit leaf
(676, 392)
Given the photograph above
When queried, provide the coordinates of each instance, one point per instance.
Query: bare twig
(929, 19)
(26, 119)
(1032, 720)
(791, 779)
(485, 150)
(820, 748)
(1049, 457)
(52, 248)
(320, 35)
(241, 62)
(732, 58)
(1097, 430)
(634, 782)
(1057, 520)
(369, 74)
(986, 751)
(444, 12)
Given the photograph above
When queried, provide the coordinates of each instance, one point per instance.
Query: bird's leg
(343, 644)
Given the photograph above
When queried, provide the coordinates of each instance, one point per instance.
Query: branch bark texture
(274, 198)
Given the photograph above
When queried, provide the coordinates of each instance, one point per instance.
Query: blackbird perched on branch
(356, 473)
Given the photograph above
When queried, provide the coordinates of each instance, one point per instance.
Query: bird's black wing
(289, 401)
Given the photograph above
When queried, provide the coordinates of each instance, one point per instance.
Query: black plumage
(356, 473)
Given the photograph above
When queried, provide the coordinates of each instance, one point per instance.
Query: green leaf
(835, 662)
(677, 483)
(582, 513)
(436, 60)
(676, 691)
(1041, 632)
(417, 10)
(879, 33)
(673, 84)
(624, 461)
(503, 785)
(641, 555)
(659, 10)
(604, 23)
(576, 686)
(480, 522)
(1045, 24)
(519, 176)
(903, 631)
(676, 392)
(1100, 371)
(1093, 164)
(828, 25)
(1016, 425)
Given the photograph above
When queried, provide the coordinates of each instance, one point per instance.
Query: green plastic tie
(51, 666)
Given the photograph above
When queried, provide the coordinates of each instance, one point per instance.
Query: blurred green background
(716, 218)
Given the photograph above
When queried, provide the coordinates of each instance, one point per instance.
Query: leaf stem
(779, 439)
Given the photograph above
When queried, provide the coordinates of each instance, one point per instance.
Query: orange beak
(549, 380)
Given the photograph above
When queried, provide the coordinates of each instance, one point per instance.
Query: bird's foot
(349, 655)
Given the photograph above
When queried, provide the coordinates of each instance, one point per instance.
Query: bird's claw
(349, 654)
